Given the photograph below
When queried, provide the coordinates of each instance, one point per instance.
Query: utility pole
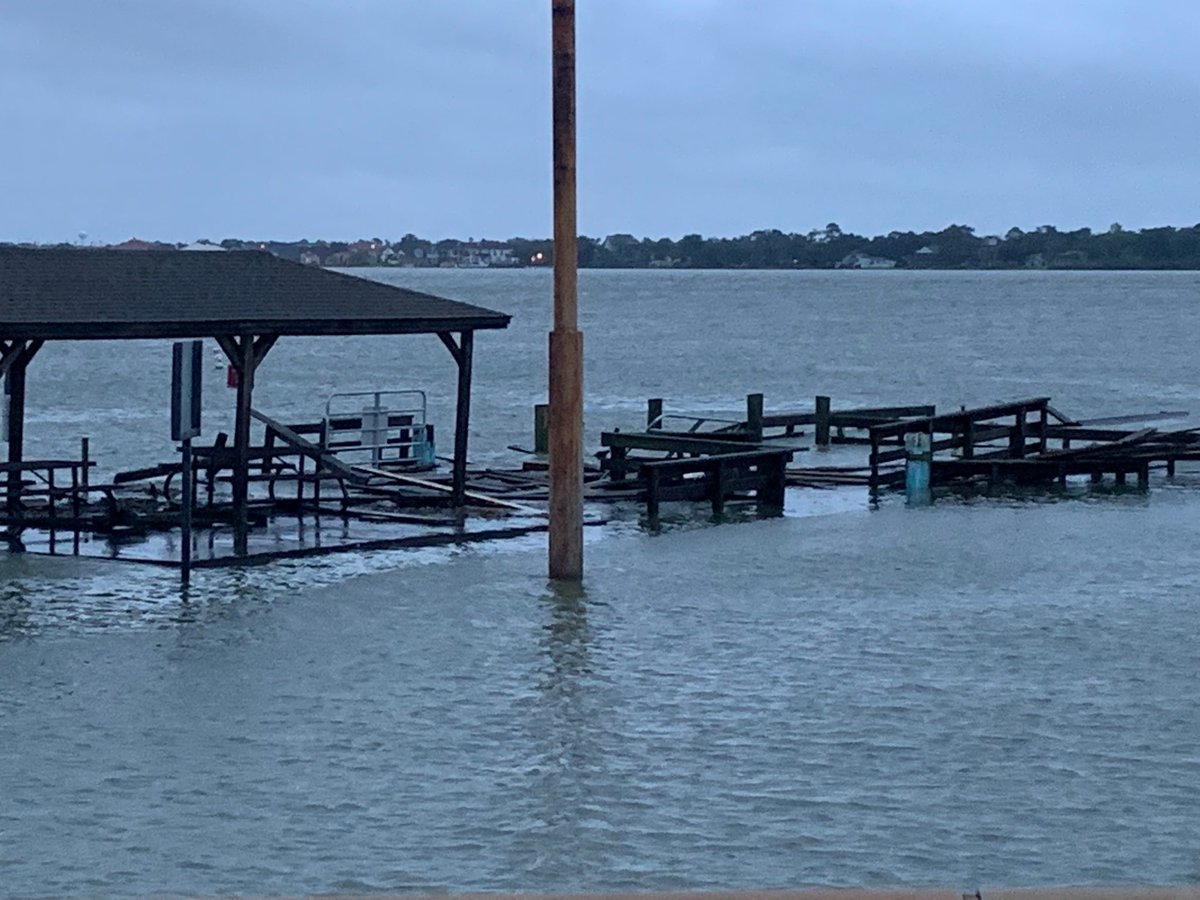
(566, 340)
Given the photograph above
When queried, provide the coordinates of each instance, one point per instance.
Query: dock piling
(918, 449)
(541, 428)
(654, 413)
(754, 416)
(821, 425)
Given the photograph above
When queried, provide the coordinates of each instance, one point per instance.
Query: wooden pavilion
(244, 300)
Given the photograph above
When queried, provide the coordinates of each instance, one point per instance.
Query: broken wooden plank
(1117, 446)
(308, 448)
(1062, 417)
(486, 499)
(1137, 419)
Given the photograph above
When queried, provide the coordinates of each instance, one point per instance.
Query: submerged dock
(368, 480)
(365, 475)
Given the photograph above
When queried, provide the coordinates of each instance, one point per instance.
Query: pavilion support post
(241, 443)
(566, 341)
(462, 418)
(245, 354)
(15, 389)
(17, 357)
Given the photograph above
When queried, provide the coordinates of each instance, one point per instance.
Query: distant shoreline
(955, 247)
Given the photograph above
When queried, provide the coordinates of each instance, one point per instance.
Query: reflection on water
(565, 639)
(562, 729)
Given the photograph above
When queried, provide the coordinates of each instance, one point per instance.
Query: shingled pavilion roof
(77, 294)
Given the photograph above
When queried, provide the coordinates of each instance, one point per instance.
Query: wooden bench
(718, 477)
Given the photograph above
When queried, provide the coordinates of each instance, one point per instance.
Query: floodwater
(997, 689)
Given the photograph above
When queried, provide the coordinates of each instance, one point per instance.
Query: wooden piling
(654, 413)
(566, 341)
(1016, 439)
(541, 428)
(754, 416)
(821, 425)
(873, 482)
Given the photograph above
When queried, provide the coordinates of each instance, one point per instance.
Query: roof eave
(86, 331)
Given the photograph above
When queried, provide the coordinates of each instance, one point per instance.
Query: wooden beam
(477, 496)
(262, 346)
(308, 448)
(230, 347)
(455, 351)
(10, 352)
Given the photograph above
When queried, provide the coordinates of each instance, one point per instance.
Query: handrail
(388, 424)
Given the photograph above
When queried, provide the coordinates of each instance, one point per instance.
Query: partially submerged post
(541, 428)
(566, 341)
(754, 416)
(918, 456)
(654, 413)
(821, 423)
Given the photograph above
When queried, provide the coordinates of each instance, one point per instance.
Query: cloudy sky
(179, 119)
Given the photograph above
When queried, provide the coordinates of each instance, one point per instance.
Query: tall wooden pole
(566, 341)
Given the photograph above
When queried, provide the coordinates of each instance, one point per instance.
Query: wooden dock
(1014, 443)
(296, 473)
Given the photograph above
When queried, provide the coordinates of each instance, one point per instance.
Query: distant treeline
(954, 247)
(957, 246)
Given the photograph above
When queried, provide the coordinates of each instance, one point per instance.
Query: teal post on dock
(918, 454)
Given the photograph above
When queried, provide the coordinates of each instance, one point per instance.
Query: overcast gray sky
(179, 119)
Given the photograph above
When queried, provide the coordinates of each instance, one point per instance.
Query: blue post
(918, 447)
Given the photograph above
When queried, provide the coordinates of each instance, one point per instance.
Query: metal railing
(387, 425)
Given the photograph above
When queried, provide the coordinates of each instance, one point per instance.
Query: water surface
(997, 689)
